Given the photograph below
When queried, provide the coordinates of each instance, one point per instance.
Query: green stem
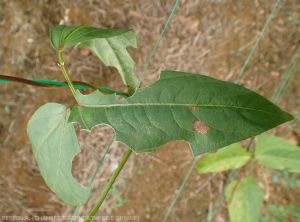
(178, 192)
(108, 186)
(257, 41)
(66, 73)
(54, 83)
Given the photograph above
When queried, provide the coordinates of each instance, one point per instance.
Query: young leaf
(109, 45)
(54, 145)
(63, 37)
(244, 199)
(281, 213)
(207, 113)
(112, 52)
(231, 157)
(276, 153)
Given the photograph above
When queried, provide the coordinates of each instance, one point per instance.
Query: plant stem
(92, 179)
(108, 186)
(162, 34)
(287, 77)
(53, 83)
(257, 41)
(179, 191)
(43, 82)
(66, 73)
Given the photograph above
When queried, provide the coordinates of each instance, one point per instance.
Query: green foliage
(112, 52)
(63, 37)
(276, 153)
(231, 157)
(245, 199)
(281, 213)
(290, 180)
(54, 145)
(206, 112)
(109, 45)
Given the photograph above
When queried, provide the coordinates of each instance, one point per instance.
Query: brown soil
(210, 37)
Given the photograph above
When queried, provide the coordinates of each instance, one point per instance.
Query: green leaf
(245, 199)
(207, 113)
(63, 37)
(231, 157)
(109, 45)
(112, 52)
(54, 145)
(276, 153)
(281, 213)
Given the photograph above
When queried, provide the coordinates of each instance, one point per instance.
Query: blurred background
(211, 37)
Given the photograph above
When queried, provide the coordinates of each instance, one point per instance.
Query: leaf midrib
(172, 104)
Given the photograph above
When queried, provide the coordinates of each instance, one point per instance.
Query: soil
(211, 37)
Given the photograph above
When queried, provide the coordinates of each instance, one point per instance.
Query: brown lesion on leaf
(200, 127)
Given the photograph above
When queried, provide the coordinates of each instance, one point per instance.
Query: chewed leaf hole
(200, 127)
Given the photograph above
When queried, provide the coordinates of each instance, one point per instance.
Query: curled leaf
(63, 37)
(109, 45)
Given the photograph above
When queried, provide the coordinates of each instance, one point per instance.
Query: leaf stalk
(108, 186)
(66, 73)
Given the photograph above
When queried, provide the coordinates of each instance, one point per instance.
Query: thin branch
(162, 34)
(53, 83)
(257, 41)
(43, 83)
(287, 77)
(108, 186)
(24, 81)
(179, 191)
(91, 181)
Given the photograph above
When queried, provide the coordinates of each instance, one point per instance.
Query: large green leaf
(276, 153)
(207, 113)
(109, 45)
(231, 157)
(245, 199)
(54, 145)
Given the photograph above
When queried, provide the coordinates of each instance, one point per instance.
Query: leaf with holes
(109, 45)
(276, 153)
(231, 157)
(54, 145)
(206, 112)
(245, 199)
